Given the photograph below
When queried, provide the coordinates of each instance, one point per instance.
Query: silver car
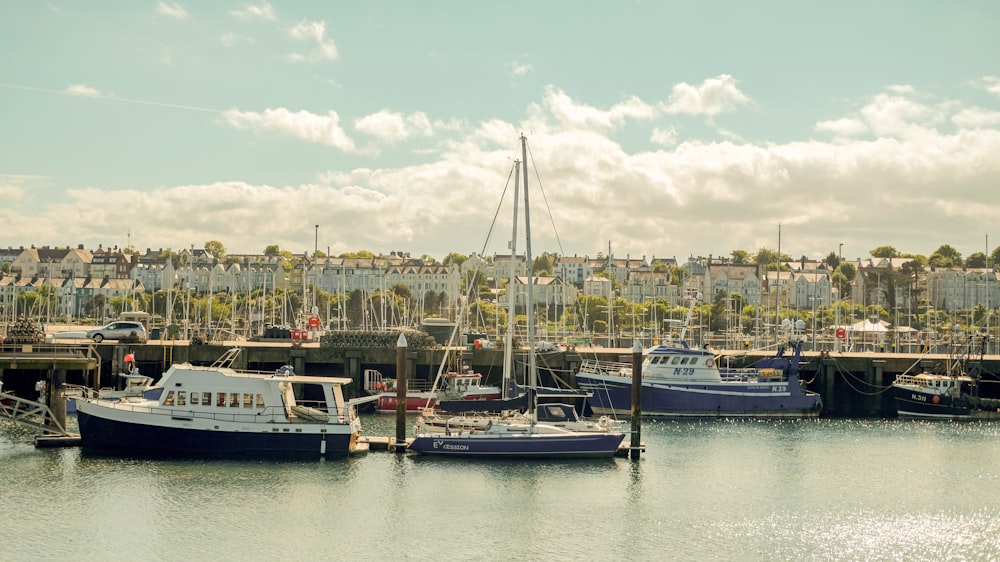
(118, 330)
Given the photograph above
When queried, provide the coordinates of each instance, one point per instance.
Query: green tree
(768, 259)
(995, 257)
(884, 252)
(542, 265)
(272, 250)
(589, 309)
(832, 260)
(455, 259)
(477, 281)
(976, 261)
(945, 256)
(741, 257)
(360, 254)
(95, 306)
(216, 248)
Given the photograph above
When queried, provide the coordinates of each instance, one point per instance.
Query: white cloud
(992, 84)
(231, 39)
(889, 115)
(393, 127)
(82, 90)
(313, 31)
(310, 127)
(174, 10)
(11, 192)
(843, 127)
(976, 118)
(904, 169)
(569, 113)
(262, 11)
(520, 69)
(713, 96)
(664, 137)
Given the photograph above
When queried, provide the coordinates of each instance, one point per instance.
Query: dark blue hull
(581, 445)
(915, 404)
(750, 399)
(104, 434)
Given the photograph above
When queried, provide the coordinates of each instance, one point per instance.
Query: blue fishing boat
(680, 381)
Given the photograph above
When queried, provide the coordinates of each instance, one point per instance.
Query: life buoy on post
(708, 362)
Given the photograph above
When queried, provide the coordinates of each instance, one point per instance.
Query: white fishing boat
(219, 411)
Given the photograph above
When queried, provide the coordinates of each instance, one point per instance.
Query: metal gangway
(32, 414)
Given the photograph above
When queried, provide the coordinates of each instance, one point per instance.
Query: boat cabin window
(234, 399)
(220, 400)
(182, 398)
(206, 398)
(654, 360)
(169, 400)
(195, 398)
(676, 360)
(248, 400)
(260, 400)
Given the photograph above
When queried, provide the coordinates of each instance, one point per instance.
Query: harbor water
(826, 489)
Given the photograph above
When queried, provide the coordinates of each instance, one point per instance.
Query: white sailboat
(531, 435)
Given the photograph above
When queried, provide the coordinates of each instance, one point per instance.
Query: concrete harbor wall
(852, 384)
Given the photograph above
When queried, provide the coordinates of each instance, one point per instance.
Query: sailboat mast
(508, 356)
(532, 375)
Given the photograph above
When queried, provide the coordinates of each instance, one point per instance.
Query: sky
(654, 128)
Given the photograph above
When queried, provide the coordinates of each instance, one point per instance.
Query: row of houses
(78, 275)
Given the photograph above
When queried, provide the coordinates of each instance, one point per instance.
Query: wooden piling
(54, 397)
(635, 443)
(401, 394)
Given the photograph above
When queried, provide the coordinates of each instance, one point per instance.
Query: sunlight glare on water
(704, 490)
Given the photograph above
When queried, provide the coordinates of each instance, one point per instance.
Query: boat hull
(912, 403)
(784, 399)
(594, 445)
(418, 401)
(103, 428)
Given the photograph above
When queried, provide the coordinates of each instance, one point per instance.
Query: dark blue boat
(680, 381)
(218, 411)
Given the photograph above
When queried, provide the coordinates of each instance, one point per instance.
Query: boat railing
(599, 367)
(269, 415)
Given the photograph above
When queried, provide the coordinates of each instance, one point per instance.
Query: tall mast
(777, 289)
(508, 356)
(532, 375)
(611, 295)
